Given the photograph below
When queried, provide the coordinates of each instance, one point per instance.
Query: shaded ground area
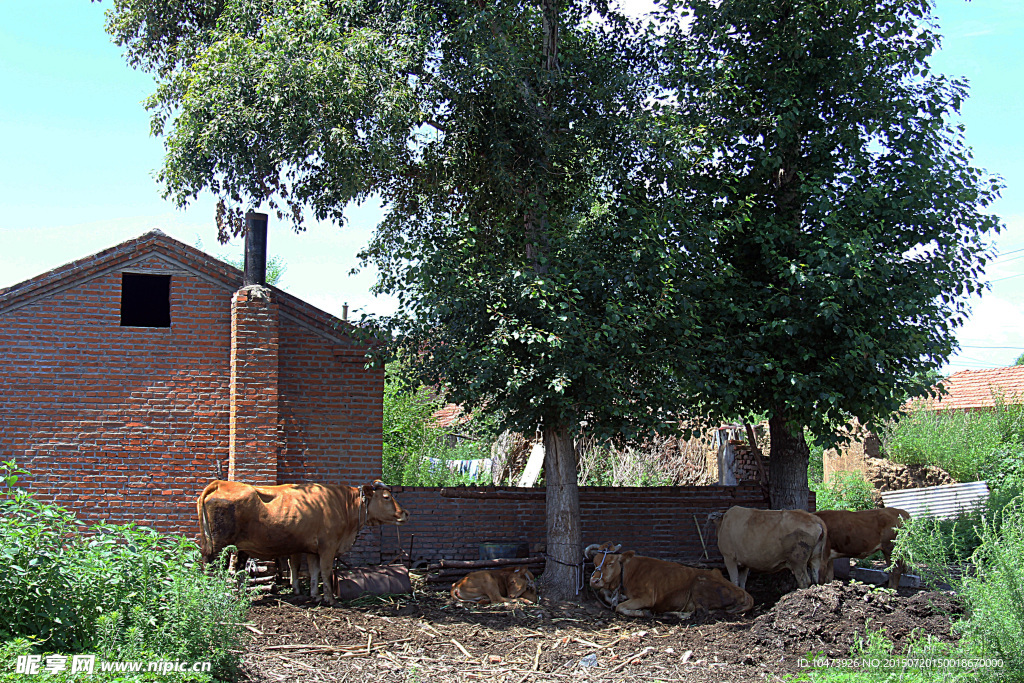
(427, 638)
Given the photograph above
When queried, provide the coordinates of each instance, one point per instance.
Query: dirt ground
(424, 637)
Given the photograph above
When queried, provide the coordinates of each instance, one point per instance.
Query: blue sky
(77, 162)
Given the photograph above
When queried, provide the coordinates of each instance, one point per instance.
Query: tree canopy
(847, 219)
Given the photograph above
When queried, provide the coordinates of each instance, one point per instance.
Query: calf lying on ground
(647, 585)
(860, 534)
(496, 585)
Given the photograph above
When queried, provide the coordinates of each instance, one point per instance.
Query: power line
(1010, 277)
(970, 346)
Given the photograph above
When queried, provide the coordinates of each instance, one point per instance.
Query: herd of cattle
(322, 521)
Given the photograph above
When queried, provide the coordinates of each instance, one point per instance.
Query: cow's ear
(367, 490)
(628, 554)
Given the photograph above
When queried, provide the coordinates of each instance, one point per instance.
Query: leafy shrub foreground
(124, 593)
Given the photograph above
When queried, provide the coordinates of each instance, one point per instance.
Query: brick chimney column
(253, 444)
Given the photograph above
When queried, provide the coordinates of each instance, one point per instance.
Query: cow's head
(607, 574)
(521, 584)
(381, 506)
(711, 591)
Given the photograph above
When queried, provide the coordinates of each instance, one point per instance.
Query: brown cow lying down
(647, 586)
(267, 522)
(862, 533)
(496, 585)
(771, 540)
(609, 597)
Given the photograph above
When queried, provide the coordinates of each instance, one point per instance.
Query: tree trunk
(563, 571)
(787, 465)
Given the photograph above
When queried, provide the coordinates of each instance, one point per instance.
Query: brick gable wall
(128, 424)
(116, 422)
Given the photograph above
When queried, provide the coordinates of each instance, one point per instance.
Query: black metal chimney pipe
(255, 249)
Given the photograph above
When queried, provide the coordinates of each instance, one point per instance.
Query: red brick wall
(331, 408)
(254, 442)
(128, 424)
(117, 422)
(655, 521)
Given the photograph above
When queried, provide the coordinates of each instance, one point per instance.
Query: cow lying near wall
(267, 522)
(609, 597)
(645, 585)
(496, 585)
(771, 540)
(860, 534)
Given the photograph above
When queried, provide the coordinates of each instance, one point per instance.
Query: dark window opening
(145, 300)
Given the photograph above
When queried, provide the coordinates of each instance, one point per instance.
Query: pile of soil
(427, 637)
(891, 476)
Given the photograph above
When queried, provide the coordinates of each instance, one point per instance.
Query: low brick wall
(452, 523)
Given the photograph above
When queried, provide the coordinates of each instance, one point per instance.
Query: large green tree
(847, 218)
(511, 142)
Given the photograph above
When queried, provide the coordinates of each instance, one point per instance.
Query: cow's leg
(632, 608)
(742, 580)
(819, 553)
(732, 567)
(314, 576)
(895, 571)
(828, 570)
(800, 572)
(294, 564)
(326, 564)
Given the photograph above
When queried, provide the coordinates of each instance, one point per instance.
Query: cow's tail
(206, 545)
(819, 553)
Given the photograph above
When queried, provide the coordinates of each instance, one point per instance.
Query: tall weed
(844, 491)
(995, 591)
(969, 445)
(121, 591)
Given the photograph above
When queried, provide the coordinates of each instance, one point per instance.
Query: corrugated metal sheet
(943, 502)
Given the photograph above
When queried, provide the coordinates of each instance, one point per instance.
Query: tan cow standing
(772, 540)
(860, 534)
(647, 585)
(267, 522)
(492, 586)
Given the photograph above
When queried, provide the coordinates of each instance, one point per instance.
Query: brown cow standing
(496, 585)
(647, 585)
(860, 534)
(771, 540)
(267, 522)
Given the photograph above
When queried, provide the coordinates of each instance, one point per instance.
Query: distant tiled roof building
(978, 389)
(449, 416)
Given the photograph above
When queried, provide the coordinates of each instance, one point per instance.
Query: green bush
(970, 446)
(995, 591)
(845, 491)
(978, 555)
(123, 592)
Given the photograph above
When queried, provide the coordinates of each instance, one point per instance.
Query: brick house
(131, 378)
